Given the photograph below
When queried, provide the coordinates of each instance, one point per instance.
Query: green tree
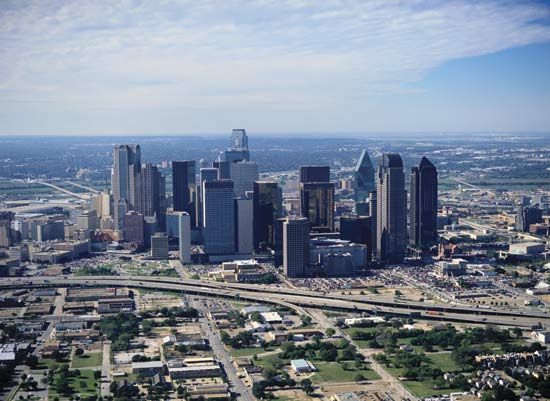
(306, 386)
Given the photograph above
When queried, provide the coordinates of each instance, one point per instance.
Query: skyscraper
(244, 219)
(218, 217)
(102, 203)
(527, 216)
(357, 229)
(184, 225)
(243, 175)
(224, 169)
(184, 187)
(314, 174)
(423, 205)
(150, 191)
(267, 208)
(134, 228)
(363, 175)
(391, 225)
(238, 149)
(125, 179)
(295, 246)
(317, 197)
(206, 174)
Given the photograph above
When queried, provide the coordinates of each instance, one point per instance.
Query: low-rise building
(148, 369)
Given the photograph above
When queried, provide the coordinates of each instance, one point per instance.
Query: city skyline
(274, 67)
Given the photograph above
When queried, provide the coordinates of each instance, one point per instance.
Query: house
(302, 366)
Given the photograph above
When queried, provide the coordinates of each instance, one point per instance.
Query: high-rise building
(278, 226)
(126, 175)
(267, 208)
(244, 224)
(314, 174)
(121, 208)
(151, 193)
(295, 246)
(184, 226)
(206, 174)
(357, 229)
(6, 234)
(102, 204)
(527, 216)
(218, 217)
(363, 183)
(159, 246)
(391, 205)
(238, 149)
(134, 230)
(87, 220)
(243, 175)
(184, 187)
(423, 205)
(317, 205)
(224, 169)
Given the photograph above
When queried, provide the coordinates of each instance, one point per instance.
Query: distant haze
(274, 66)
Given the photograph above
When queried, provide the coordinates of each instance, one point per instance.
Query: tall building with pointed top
(238, 149)
(423, 205)
(391, 210)
(363, 178)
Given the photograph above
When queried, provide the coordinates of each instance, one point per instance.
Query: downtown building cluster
(229, 213)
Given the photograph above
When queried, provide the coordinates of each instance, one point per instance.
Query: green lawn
(85, 385)
(444, 361)
(333, 372)
(248, 351)
(48, 363)
(425, 388)
(87, 360)
(272, 361)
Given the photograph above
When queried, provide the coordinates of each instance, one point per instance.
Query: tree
(330, 332)
(79, 351)
(358, 377)
(306, 386)
(97, 374)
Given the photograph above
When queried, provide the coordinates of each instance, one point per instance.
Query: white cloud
(230, 54)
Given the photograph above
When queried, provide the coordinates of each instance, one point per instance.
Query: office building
(358, 229)
(102, 204)
(151, 204)
(48, 230)
(6, 234)
(224, 169)
(121, 208)
(134, 228)
(268, 206)
(363, 182)
(244, 225)
(184, 187)
(172, 223)
(218, 217)
(295, 246)
(317, 205)
(159, 246)
(238, 148)
(314, 174)
(423, 205)
(206, 174)
(243, 174)
(126, 175)
(527, 216)
(184, 235)
(87, 220)
(391, 210)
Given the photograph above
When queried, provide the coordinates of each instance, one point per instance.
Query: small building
(148, 369)
(193, 372)
(302, 366)
(271, 317)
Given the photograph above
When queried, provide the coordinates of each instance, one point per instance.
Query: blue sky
(299, 66)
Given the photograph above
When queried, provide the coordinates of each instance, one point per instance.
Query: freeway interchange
(297, 299)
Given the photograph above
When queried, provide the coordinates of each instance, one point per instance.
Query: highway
(296, 299)
(65, 191)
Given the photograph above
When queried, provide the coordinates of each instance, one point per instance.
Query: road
(65, 191)
(243, 393)
(106, 369)
(297, 299)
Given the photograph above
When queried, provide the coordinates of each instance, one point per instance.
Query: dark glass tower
(363, 178)
(317, 197)
(391, 210)
(423, 205)
(267, 205)
(314, 174)
(183, 183)
(357, 229)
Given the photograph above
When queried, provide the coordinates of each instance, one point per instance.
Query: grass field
(88, 360)
(333, 372)
(272, 361)
(248, 351)
(85, 385)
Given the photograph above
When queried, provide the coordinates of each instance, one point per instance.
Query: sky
(273, 66)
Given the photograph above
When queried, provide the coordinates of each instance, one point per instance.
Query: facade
(159, 246)
(363, 178)
(6, 234)
(314, 174)
(184, 187)
(244, 218)
(184, 228)
(295, 246)
(358, 229)
(224, 169)
(87, 220)
(243, 174)
(218, 217)
(317, 205)
(102, 203)
(267, 199)
(206, 174)
(391, 224)
(151, 193)
(423, 205)
(527, 216)
(135, 228)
